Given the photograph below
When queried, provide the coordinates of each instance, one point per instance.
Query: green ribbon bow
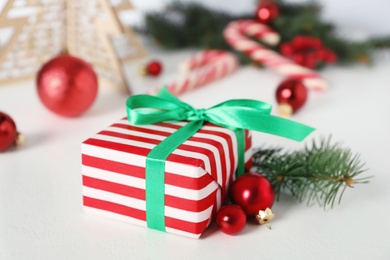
(238, 114)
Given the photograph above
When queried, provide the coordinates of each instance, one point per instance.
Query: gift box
(197, 173)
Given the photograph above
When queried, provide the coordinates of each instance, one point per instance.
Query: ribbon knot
(236, 115)
(197, 114)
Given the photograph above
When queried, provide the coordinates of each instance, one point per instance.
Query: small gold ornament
(265, 216)
(19, 139)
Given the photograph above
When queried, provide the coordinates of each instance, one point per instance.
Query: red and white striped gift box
(197, 174)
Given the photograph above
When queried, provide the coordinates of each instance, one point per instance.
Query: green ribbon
(237, 114)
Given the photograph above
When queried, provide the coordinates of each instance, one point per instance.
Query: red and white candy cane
(201, 69)
(236, 34)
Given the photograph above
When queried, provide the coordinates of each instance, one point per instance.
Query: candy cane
(201, 69)
(236, 34)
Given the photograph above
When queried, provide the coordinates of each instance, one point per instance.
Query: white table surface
(41, 214)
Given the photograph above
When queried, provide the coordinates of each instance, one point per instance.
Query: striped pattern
(201, 69)
(197, 174)
(236, 34)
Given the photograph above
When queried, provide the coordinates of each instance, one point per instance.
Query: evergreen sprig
(318, 173)
(193, 25)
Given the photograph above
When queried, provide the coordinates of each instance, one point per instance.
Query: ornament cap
(265, 216)
(285, 110)
(143, 71)
(19, 139)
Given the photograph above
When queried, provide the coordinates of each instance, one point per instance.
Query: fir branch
(320, 173)
(193, 25)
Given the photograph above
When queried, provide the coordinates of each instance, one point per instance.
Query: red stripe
(114, 207)
(142, 151)
(137, 193)
(139, 172)
(118, 167)
(190, 227)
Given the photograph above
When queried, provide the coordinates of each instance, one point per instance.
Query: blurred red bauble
(153, 68)
(231, 219)
(291, 95)
(252, 192)
(8, 132)
(67, 85)
(267, 11)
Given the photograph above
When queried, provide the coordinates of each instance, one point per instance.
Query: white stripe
(136, 160)
(194, 217)
(248, 155)
(315, 83)
(261, 54)
(140, 183)
(292, 69)
(127, 219)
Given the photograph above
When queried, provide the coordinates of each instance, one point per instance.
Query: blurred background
(354, 18)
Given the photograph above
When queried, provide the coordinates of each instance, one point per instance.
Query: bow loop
(235, 114)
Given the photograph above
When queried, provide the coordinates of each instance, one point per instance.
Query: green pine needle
(318, 173)
(193, 25)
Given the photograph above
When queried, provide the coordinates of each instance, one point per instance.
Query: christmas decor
(291, 95)
(187, 165)
(307, 51)
(235, 34)
(67, 85)
(231, 219)
(202, 68)
(320, 173)
(203, 28)
(8, 133)
(265, 216)
(252, 192)
(153, 68)
(96, 35)
(267, 11)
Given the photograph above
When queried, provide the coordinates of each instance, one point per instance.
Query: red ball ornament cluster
(249, 194)
(252, 192)
(9, 135)
(307, 51)
(291, 95)
(267, 11)
(67, 85)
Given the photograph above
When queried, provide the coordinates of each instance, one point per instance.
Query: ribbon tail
(155, 173)
(240, 135)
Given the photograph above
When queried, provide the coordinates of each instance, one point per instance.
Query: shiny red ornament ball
(291, 92)
(8, 132)
(252, 192)
(154, 68)
(231, 219)
(266, 12)
(67, 85)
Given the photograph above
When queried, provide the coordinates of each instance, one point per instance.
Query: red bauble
(67, 85)
(231, 219)
(252, 192)
(8, 132)
(154, 68)
(291, 92)
(266, 12)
